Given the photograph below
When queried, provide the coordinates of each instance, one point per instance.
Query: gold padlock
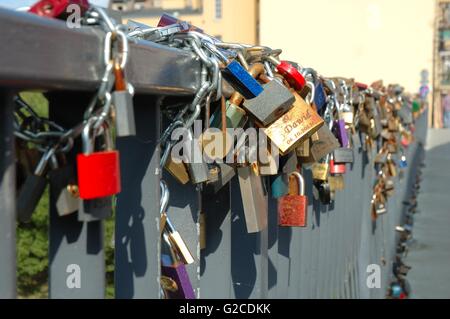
(336, 182)
(303, 149)
(177, 170)
(202, 230)
(295, 126)
(320, 171)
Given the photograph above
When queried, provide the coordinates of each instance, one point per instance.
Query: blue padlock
(279, 185)
(241, 80)
(403, 163)
(320, 98)
(396, 290)
(236, 75)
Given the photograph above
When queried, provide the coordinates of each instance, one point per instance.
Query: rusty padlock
(292, 209)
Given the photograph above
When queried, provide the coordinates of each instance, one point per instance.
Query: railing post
(7, 199)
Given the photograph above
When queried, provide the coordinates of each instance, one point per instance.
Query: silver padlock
(123, 104)
(254, 200)
(198, 169)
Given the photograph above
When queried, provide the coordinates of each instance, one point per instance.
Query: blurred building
(441, 114)
(229, 20)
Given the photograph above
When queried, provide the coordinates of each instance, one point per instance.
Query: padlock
(178, 170)
(98, 172)
(341, 132)
(326, 144)
(336, 168)
(254, 200)
(392, 167)
(197, 168)
(405, 115)
(202, 230)
(123, 104)
(380, 209)
(403, 163)
(63, 188)
(174, 238)
(293, 208)
(271, 104)
(320, 97)
(236, 75)
(57, 8)
(235, 115)
(267, 163)
(294, 127)
(381, 157)
(224, 173)
(167, 19)
(343, 156)
(320, 171)
(279, 185)
(289, 73)
(415, 106)
(172, 268)
(396, 291)
(336, 182)
(33, 188)
(393, 124)
(326, 196)
(304, 149)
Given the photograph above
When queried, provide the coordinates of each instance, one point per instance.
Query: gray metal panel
(273, 269)
(247, 270)
(183, 211)
(215, 264)
(7, 199)
(137, 262)
(45, 54)
(72, 242)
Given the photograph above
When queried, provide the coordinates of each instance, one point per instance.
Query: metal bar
(76, 253)
(7, 199)
(137, 237)
(46, 54)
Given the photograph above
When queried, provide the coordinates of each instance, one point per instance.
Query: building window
(218, 9)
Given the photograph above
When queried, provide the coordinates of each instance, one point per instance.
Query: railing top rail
(42, 53)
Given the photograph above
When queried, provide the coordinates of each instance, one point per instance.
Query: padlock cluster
(400, 287)
(310, 123)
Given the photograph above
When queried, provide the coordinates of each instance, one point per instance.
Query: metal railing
(326, 260)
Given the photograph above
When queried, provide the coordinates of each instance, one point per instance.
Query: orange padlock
(292, 209)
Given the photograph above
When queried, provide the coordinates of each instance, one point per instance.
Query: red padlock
(361, 86)
(293, 209)
(57, 8)
(295, 79)
(337, 169)
(98, 172)
(167, 19)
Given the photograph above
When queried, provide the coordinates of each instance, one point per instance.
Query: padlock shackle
(301, 182)
(165, 195)
(88, 140)
(164, 203)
